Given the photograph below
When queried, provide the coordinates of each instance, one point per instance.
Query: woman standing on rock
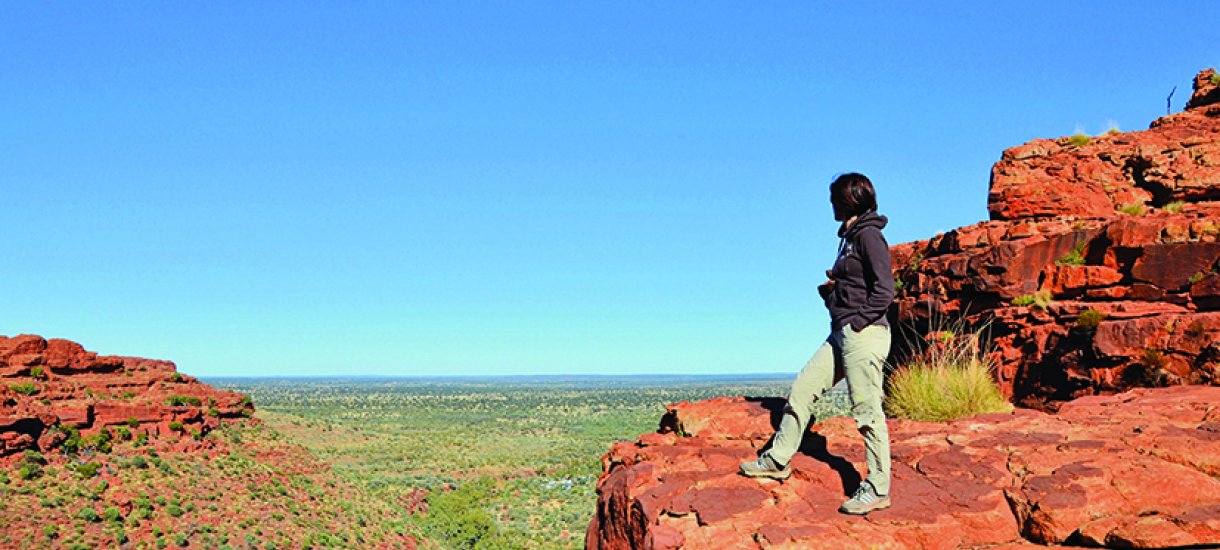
(858, 294)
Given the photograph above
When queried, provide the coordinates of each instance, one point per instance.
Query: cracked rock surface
(1139, 469)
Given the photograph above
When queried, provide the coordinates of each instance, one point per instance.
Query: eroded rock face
(49, 386)
(1132, 470)
(1122, 228)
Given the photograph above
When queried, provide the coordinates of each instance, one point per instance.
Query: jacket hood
(865, 220)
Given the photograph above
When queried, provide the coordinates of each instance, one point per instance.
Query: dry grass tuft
(951, 378)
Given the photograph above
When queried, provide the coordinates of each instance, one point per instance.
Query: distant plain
(506, 462)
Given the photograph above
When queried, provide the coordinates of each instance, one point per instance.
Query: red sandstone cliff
(48, 388)
(1122, 226)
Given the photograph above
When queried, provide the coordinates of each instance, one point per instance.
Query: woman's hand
(825, 288)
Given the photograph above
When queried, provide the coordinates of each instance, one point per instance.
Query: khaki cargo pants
(860, 357)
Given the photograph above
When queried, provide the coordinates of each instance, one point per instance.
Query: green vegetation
(1075, 256)
(29, 470)
(1197, 277)
(87, 470)
(1090, 319)
(1134, 209)
(175, 426)
(1174, 207)
(88, 514)
(1079, 140)
(112, 514)
(505, 462)
(950, 379)
(176, 400)
(1149, 370)
(24, 388)
(177, 378)
(1215, 79)
(1041, 299)
(37, 372)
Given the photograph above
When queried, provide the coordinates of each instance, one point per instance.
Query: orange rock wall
(1125, 225)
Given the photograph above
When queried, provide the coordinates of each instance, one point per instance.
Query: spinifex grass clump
(951, 378)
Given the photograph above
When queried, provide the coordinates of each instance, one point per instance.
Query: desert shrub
(1153, 358)
(88, 514)
(1148, 370)
(37, 372)
(123, 432)
(1079, 140)
(30, 455)
(112, 514)
(98, 490)
(29, 470)
(24, 388)
(1089, 319)
(1075, 257)
(4, 479)
(50, 530)
(1215, 79)
(949, 379)
(1175, 206)
(1041, 299)
(176, 378)
(180, 539)
(72, 440)
(1134, 209)
(133, 422)
(174, 510)
(87, 470)
(1197, 277)
(176, 400)
(457, 517)
(175, 426)
(101, 441)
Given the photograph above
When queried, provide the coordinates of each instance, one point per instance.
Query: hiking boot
(865, 500)
(765, 466)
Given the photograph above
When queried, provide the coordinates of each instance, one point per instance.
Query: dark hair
(853, 192)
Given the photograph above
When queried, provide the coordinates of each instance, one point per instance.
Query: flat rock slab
(1139, 469)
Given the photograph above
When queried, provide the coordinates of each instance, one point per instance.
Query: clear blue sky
(515, 188)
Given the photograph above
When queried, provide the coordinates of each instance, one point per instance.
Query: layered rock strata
(53, 389)
(1100, 267)
(1132, 470)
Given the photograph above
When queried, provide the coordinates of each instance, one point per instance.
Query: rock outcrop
(1100, 267)
(1131, 470)
(54, 391)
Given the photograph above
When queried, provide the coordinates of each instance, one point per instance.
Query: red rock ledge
(1134, 470)
(47, 385)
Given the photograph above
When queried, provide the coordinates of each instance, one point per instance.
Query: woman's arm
(877, 267)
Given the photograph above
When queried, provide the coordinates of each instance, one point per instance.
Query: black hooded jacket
(863, 279)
